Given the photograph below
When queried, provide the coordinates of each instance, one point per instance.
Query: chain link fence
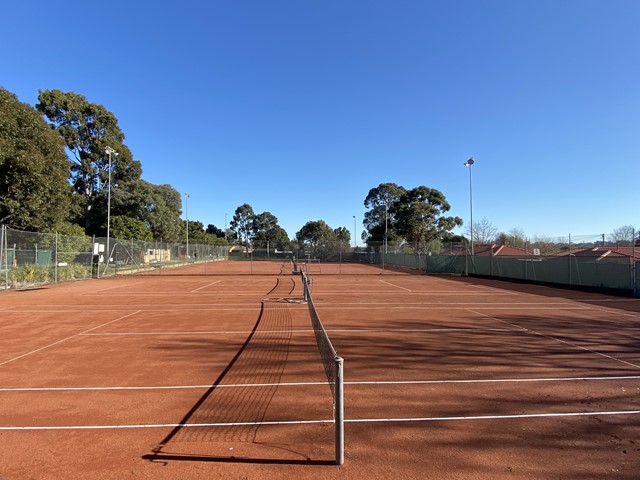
(29, 258)
(586, 261)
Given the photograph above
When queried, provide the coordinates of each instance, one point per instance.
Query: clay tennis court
(212, 371)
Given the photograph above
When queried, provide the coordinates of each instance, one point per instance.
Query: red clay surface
(446, 378)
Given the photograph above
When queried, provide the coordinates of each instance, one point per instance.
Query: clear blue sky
(299, 107)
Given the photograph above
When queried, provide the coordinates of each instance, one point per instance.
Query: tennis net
(333, 366)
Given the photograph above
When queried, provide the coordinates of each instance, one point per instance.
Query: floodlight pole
(186, 208)
(468, 164)
(109, 151)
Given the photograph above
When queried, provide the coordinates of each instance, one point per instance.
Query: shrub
(28, 274)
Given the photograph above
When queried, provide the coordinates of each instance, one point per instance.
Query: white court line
(204, 286)
(182, 292)
(308, 422)
(299, 384)
(414, 293)
(150, 308)
(111, 288)
(65, 339)
(435, 306)
(483, 304)
(330, 305)
(494, 380)
(550, 337)
(393, 285)
(615, 311)
(308, 330)
(494, 417)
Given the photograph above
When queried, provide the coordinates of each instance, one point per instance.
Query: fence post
(635, 264)
(569, 262)
(55, 258)
(4, 254)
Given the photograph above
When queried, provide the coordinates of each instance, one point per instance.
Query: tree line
(63, 158)
(56, 174)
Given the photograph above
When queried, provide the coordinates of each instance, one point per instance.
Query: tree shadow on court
(495, 346)
(491, 371)
(235, 405)
(593, 296)
(580, 448)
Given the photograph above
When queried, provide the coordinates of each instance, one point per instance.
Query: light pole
(186, 209)
(225, 226)
(468, 164)
(355, 237)
(109, 151)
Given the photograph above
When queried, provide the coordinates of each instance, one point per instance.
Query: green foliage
(213, 230)
(29, 274)
(34, 169)
(163, 213)
(157, 206)
(343, 235)
(242, 223)
(267, 232)
(379, 200)
(413, 216)
(418, 217)
(315, 237)
(258, 230)
(73, 271)
(197, 234)
(68, 228)
(196, 231)
(279, 238)
(127, 228)
(68, 240)
(87, 129)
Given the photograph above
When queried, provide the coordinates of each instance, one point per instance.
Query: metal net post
(339, 410)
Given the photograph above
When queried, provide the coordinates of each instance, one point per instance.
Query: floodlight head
(469, 162)
(110, 151)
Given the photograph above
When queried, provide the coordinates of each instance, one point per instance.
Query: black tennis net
(333, 366)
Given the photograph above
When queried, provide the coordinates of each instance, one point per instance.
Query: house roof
(493, 250)
(599, 253)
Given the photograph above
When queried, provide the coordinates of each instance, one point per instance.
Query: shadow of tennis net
(233, 407)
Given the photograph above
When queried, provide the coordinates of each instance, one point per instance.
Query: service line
(204, 286)
(308, 422)
(68, 338)
(394, 285)
(323, 383)
(111, 288)
(308, 330)
(559, 340)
